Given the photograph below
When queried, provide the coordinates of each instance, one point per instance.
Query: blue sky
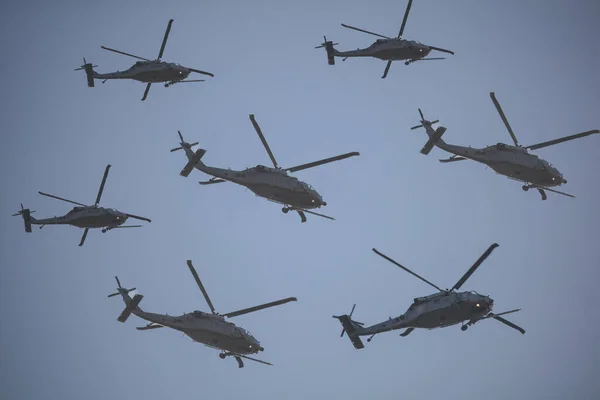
(59, 337)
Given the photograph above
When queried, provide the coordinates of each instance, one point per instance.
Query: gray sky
(59, 337)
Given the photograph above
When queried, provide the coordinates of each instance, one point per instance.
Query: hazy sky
(59, 337)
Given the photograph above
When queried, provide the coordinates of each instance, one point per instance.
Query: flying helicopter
(515, 162)
(84, 216)
(387, 48)
(273, 184)
(147, 71)
(441, 309)
(209, 329)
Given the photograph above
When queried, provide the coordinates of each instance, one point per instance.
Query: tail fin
(131, 305)
(193, 161)
(27, 218)
(89, 72)
(352, 328)
(330, 50)
(434, 135)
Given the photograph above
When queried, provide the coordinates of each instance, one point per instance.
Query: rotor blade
(440, 49)
(554, 191)
(362, 30)
(512, 135)
(261, 307)
(146, 91)
(138, 217)
(102, 185)
(504, 321)
(164, 42)
(481, 259)
(263, 140)
(387, 68)
(127, 226)
(314, 213)
(85, 232)
(562, 139)
(321, 162)
(492, 315)
(126, 54)
(193, 271)
(250, 358)
(201, 72)
(407, 270)
(60, 198)
(405, 18)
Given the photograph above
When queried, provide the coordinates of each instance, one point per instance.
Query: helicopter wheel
(525, 187)
(407, 62)
(166, 85)
(222, 355)
(103, 230)
(463, 328)
(285, 210)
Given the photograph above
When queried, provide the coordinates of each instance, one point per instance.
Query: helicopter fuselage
(208, 329)
(271, 183)
(86, 217)
(393, 49)
(511, 161)
(149, 72)
(436, 311)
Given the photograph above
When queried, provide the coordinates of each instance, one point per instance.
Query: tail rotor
(120, 289)
(184, 144)
(350, 316)
(329, 48)
(424, 122)
(26, 214)
(89, 71)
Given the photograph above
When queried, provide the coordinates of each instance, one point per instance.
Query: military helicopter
(445, 308)
(515, 162)
(273, 184)
(148, 71)
(209, 329)
(85, 216)
(387, 48)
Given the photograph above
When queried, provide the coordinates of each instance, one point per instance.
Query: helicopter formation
(444, 308)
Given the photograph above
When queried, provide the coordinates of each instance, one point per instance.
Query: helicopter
(438, 310)
(84, 216)
(209, 329)
(147, 71)
(273, 184)
(387, 48)
(515, 162)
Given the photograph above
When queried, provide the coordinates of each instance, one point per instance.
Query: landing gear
(525, 188)
(237, 358)
(464, 328)
(285, 210)
(542, 192)
(222, 355)
(371, 338)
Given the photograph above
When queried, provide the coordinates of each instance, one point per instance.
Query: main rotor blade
(321, 162)
(512, 134)
(407, 270)
(562, 139)
(146, 91)
(387, 68)
(60, 198)
(468, 274)
(85, 232)
(164, 42)
(193, 271)
(261, 307)
(250, 358)
(362, 30)
(126, 54)
(263, 140)
(405, 18)
(138, 217)
(504, 321)
(440, 49)
(102, 185)
(200, 72)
